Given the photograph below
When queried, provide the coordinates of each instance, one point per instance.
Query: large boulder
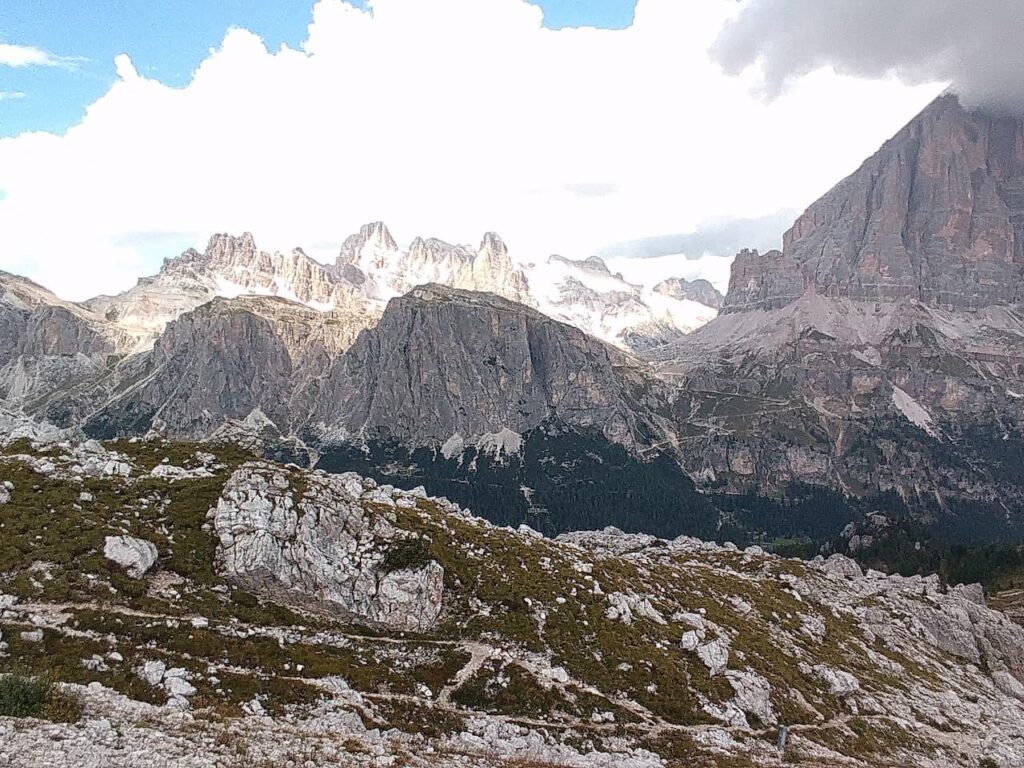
(322, 549)
(136, 556)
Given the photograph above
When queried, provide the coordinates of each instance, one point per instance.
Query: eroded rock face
(700, 291)
(372, 259)
(886, 334)
(221, 362)
(935, 216)
(323, 548)
(444, 363)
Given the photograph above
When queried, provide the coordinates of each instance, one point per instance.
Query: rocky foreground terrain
(195, 606)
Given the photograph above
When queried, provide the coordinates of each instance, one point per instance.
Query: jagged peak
(375, 234)
(378, 234)
(221, 242)
(590, 264)
(493, 244)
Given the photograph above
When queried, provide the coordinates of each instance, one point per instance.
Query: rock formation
(881, 349)
(222, 361)
(321, 549)
(447, 364)
(586, 294)
(935, 216)
(700, 291)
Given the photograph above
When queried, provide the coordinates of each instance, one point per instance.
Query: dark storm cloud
(976, 45)
(723, 237)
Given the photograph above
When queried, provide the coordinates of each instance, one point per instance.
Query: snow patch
(504, 443)
(913, 410)
(453, 446)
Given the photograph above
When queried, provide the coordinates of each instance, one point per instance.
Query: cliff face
(48, 345)
(700, 291)
(445, 364)
(220, 363)
(936, 215)
(882, 349)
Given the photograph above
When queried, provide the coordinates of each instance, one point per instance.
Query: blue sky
(166, 40)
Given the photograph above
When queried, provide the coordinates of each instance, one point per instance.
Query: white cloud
(11, 95)
(30, 56)
(444, 118)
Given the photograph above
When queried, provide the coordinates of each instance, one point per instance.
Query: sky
(130, 131)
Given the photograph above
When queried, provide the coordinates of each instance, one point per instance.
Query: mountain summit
(879, 351)
(936, 215)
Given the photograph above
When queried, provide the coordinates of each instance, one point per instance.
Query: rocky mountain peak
(936, 215)
(371, 238)
(700, 291)
(516, 366)
(493, 246)
(229, 248)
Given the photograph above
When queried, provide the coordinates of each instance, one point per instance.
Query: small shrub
(406, 554)
(22, 696)
(62, 706)
(244, 599)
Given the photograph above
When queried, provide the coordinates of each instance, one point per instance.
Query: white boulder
(135, 555)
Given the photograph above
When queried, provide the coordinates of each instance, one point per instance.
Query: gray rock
(497, 386)
(753, 695)
(308, 551)
(840, 683)
(699, 290)
(974, 593)
(135, 555)
(842, 566)
(715, 655)
(152, 672)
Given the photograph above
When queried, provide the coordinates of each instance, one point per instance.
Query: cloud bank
(444, 118)
(714, 238)
(977, 47)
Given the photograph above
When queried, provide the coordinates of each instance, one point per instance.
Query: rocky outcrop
(936, 216)
(322, 548)
(699, 290)
(444, 363)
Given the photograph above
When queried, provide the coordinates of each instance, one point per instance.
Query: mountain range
(876, 359)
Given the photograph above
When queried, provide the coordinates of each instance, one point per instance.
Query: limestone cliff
(936, 216)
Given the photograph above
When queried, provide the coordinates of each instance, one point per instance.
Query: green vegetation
(26, 696)
(544, 603)
(405, 554)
